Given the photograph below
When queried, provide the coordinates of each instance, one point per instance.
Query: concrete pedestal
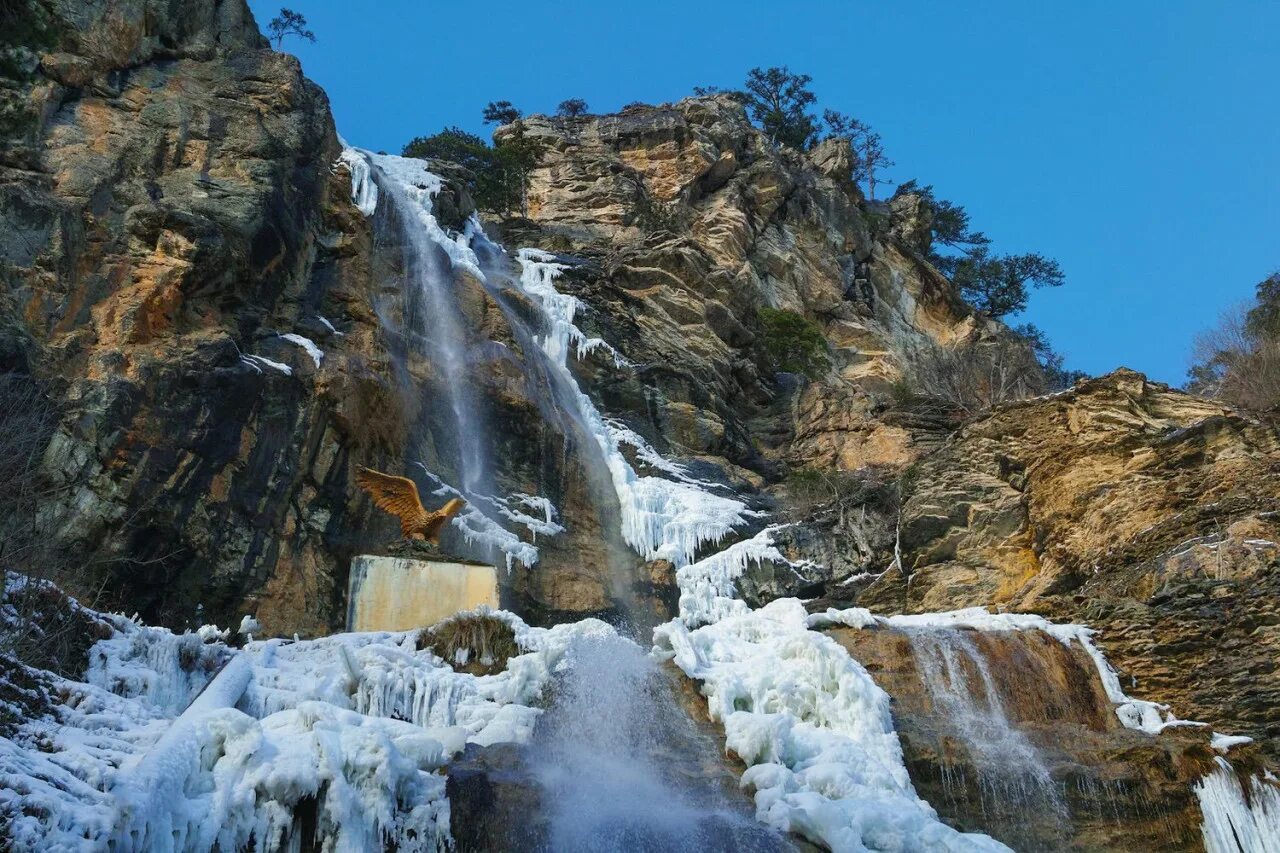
(397, 594)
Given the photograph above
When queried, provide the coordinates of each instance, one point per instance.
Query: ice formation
(479, 528)
(662, 519)
(175, 742)
(328, 324)
(1139, 714)
(813, 727)
(1233, 822)
(317, 355)
(364, 192)
(814, 730)
(258, 362)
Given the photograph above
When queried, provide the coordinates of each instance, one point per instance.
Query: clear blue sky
(1136, 141)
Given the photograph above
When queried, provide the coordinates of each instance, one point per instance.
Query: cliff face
(1124, 505)
(171, 210)
(167, 214)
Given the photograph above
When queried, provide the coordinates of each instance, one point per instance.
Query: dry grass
(477, 643)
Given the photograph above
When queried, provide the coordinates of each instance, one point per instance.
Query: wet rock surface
(1124, 505)
(1111, 788)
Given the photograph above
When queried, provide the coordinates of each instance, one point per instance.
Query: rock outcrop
(1125, 505)
(169, 215)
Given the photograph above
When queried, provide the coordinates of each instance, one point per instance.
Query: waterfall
(824, 760)
(1017, 790)
(607, 786)
(433, 318)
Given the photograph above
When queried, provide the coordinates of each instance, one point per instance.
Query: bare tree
(971, 377)
(1235, 361)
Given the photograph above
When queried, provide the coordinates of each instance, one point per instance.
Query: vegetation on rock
(479, 643)
(498, 174)
(572, 108)
(289, 23)
(792, 343)
(1238, 359)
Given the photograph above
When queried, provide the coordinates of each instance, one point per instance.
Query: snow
(1233, 823)
(317, 355)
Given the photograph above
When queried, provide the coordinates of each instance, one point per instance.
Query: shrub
(1238, 361)
(816, 491)
(477, 642)
(968, 379)
(793, 344)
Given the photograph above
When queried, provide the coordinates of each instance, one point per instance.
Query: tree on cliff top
(500, 112)
(499, 175)
(779, 100)
(998, 285)
(571, 108)
(289, 23)
(1238, 360)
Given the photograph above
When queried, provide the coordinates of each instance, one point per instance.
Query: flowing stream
(1017, 791)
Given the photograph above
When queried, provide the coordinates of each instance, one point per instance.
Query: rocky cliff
(188, 280)
(169, 213)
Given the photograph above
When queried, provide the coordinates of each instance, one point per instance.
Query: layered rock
(171, 213)
(1124, 505)
(1108, 787)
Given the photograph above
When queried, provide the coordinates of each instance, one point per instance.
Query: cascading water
(434, 324)
(1017, 790)
(607, 786)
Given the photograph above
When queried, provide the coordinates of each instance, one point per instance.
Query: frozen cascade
(1017, 789)
(1234, 823)
(435, 322)
(343, 738)
(610, 754)
(662, 519)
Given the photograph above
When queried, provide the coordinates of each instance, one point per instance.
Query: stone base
(397, 594)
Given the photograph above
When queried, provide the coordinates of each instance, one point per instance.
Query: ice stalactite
(1234, 822)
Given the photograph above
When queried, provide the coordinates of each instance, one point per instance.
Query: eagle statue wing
(438, 520)
(396, 495)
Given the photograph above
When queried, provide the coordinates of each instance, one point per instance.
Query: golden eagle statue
(399, 496)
